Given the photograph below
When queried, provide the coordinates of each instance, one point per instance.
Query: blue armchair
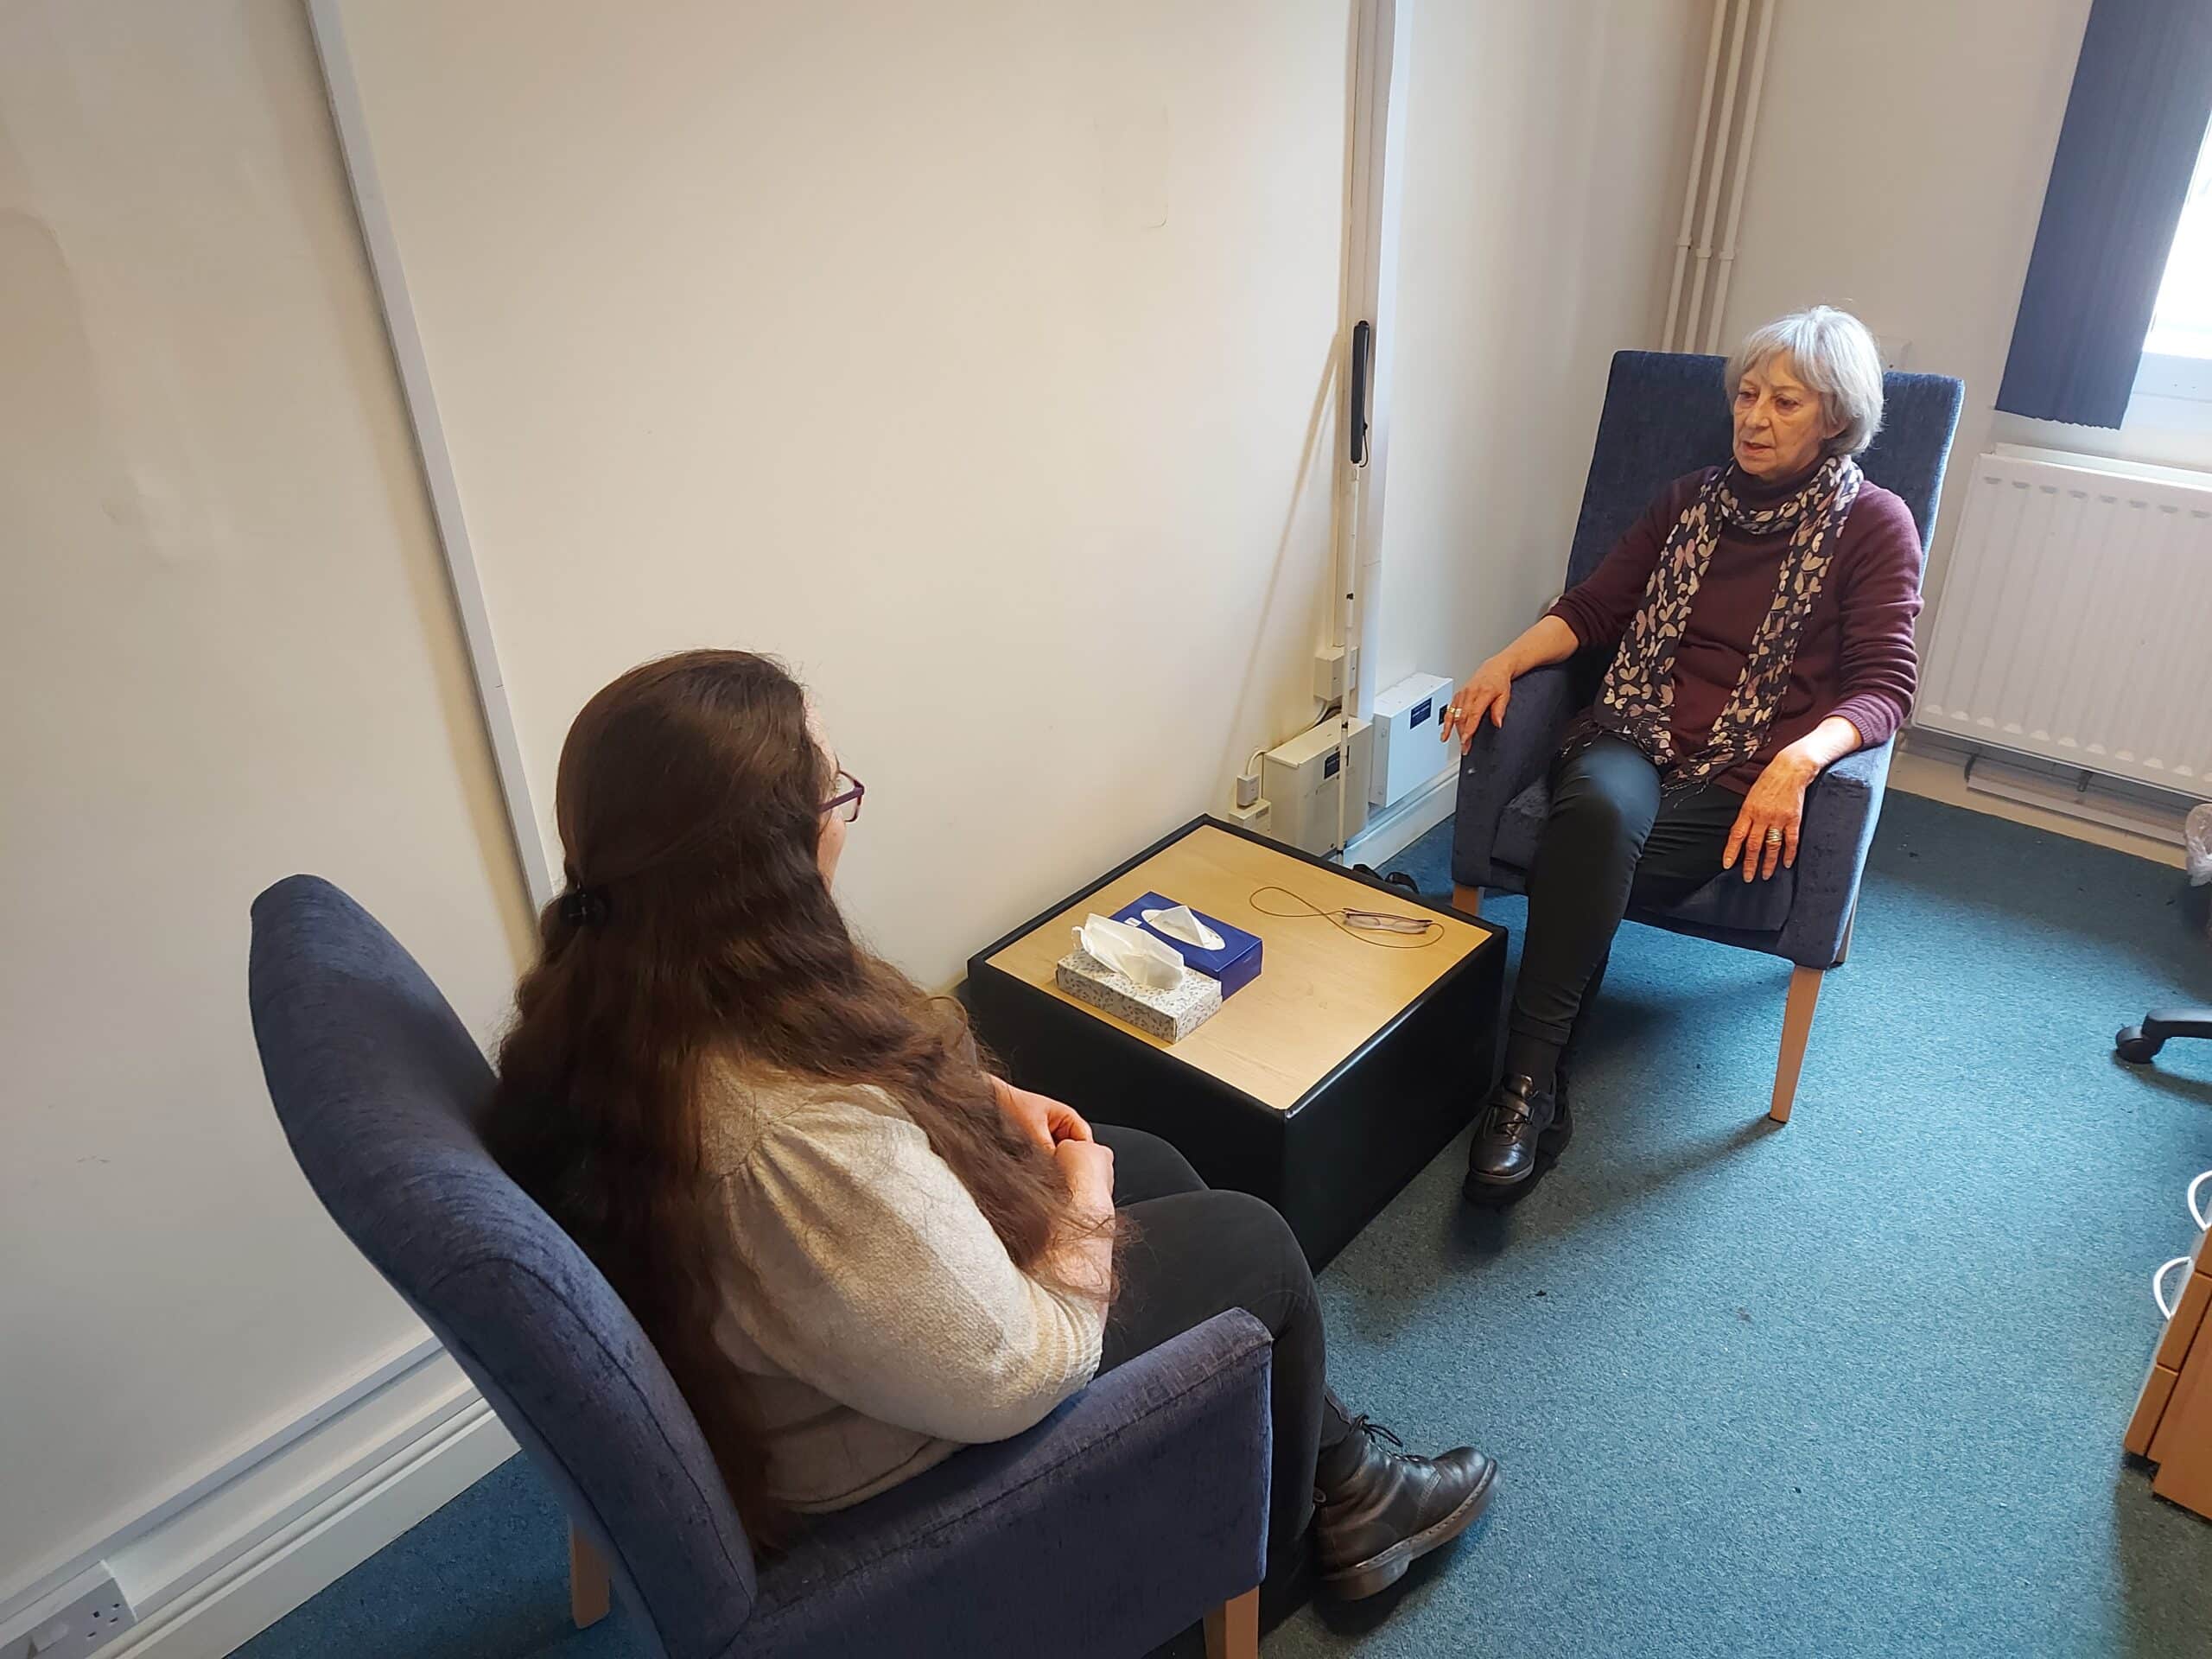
(1666, 414)
(1136, 1509)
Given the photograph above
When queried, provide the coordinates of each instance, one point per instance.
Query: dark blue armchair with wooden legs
(1667, 415)
(1137, 1508)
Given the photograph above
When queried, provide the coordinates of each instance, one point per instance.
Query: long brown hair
(698, 924)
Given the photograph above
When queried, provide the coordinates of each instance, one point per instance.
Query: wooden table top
(1323, 991)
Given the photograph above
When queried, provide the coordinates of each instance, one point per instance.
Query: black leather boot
(1522, 1131)
(1376, 1512)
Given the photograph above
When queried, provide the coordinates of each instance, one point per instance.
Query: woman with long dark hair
(857, 1249)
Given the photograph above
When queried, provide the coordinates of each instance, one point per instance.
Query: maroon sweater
(1855, 657)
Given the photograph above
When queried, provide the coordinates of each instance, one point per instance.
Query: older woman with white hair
(1759, 618)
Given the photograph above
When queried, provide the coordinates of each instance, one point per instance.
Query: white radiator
(2076, 622)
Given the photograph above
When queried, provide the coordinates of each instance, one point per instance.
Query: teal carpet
(1854, 1387)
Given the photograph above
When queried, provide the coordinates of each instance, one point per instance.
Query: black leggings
(1198, 1253)
(1610, 843)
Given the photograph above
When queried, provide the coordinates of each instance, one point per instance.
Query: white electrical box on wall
(1300, 780)
(1407, 755)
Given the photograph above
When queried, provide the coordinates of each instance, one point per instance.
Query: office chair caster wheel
(2132, 1045)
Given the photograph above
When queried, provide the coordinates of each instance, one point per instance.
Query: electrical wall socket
(1255, 817)
(81, 1618)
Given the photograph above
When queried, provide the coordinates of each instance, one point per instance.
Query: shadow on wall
(1237, 751)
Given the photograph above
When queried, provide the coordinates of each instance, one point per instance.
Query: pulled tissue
(1182, 923)
(1132, 951)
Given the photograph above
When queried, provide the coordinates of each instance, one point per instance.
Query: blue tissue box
(1237, 964)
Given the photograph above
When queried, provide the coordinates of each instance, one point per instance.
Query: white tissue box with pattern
(1124, 971)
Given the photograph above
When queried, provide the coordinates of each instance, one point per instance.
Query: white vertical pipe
(1697, 169)
(1713, 186)
(1376, 150)
(1393, 54)
(1727, 259)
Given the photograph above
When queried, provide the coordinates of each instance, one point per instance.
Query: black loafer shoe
(1516, 1120)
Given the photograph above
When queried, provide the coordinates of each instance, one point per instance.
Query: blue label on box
(1237, 964)
(1329, 766)
(1422, 710)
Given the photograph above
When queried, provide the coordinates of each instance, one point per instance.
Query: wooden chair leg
(1467, 898)
(587, 1583)
(1796, 1026)
(1233, 1627)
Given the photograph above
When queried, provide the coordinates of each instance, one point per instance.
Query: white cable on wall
(328, 26)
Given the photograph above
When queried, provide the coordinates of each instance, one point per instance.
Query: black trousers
(1610, 841)
(1198, 1253)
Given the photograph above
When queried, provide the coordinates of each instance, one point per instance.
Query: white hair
(1832, 353)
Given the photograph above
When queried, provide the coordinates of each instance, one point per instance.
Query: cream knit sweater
(872, 1319)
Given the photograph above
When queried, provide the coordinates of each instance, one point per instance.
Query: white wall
(936, 354)
(1898, 171)
(970, 356)
(227, 654)
(1546, 152)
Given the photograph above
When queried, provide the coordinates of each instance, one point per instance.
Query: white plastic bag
(2197, 841)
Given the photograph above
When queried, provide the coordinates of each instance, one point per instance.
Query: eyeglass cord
(1386, 921)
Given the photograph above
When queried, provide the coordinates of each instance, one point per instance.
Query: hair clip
(583, 906)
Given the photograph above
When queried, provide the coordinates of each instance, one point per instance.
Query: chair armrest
(1503, 760)
(1840, 812)
(1135, 1507)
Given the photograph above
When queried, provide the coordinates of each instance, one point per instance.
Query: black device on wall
(1362, 346)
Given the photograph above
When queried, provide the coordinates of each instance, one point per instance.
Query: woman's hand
(1766, 831)
(1083, 1259)
(1044, 1120)
(1489, 691)
(1088, 1168)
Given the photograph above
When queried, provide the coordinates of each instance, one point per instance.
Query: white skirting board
(1388, 835)
(242, 1552)
(1933, 768)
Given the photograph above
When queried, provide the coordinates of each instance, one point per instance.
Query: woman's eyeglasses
(847, 803)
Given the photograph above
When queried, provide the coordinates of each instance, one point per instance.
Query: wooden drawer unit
(2172, 1423)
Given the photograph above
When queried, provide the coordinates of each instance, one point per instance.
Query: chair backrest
(1667, 413)
(379, 1087)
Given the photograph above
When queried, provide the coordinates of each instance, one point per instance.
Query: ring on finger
(1773, 837)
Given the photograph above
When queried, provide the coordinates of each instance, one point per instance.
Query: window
(2177, 352)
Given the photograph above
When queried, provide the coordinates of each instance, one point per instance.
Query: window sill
(2156, 431)
(2169, 377)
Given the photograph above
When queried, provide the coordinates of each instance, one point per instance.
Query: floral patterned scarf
(1637, 701)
